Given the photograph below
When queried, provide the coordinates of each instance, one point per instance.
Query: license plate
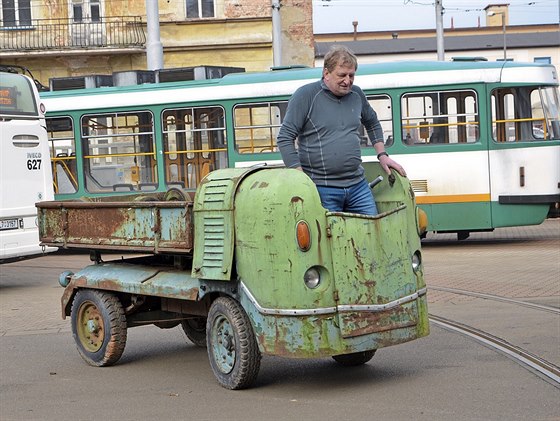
(11, 224)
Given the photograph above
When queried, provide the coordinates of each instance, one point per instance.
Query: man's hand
(387, 163)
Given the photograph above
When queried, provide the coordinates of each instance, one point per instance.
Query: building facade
(493, 41)
(61, 38)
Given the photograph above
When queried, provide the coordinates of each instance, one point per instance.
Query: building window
(545, 60)
(86, 11)
(200, 9)
(16, 13)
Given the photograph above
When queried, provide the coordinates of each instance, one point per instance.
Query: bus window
(449, 117)
(16, 97)
(63, 154)
(382, 106)
(118, 150)
(194, 141)
(525, 113)
(257, 126)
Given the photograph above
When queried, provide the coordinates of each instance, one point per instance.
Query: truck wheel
(232, 348)
(195, 329)
(98, 327)
(356, 358)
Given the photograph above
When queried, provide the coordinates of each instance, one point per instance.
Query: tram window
(62, 146)
(118, 149)
(382, 106)
(525, 114)
(194, 142)
(440, 117)
(257, 126)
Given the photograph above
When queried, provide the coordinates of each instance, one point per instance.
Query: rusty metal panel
(133, 279)
(151, 227)
(373, 269)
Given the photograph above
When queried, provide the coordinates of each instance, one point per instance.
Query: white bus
(25, 170)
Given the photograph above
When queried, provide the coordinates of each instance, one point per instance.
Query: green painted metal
(213, 217)
(245, 234)
(363, 261)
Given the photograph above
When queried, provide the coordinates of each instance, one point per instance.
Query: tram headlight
(416, 261)
(312, 278)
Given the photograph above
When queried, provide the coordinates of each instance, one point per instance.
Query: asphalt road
(445, 376)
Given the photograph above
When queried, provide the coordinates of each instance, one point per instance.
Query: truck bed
(156, 227)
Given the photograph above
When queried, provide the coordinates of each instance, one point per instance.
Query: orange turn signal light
(303, 236)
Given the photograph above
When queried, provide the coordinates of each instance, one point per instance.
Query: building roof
(454, 43)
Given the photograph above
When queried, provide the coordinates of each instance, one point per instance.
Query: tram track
(485, 296)
(521, 356)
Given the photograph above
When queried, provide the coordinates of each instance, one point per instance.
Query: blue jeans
(355, 199)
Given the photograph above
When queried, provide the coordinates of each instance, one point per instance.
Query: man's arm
(292, 126)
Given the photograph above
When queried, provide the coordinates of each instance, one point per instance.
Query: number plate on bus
(11, 224)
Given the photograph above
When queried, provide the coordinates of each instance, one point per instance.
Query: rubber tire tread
(114, 321)
(354, 359)
(196, 337)
(247, 355)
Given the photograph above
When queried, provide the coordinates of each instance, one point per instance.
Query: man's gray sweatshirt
(326, 128)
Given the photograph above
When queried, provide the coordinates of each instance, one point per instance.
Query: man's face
(340, 80)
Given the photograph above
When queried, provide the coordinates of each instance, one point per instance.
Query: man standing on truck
(325, 117)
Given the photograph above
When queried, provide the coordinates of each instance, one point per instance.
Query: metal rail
(542, 307)
(519, 355)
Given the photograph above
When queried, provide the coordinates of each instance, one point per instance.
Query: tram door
(523, 154)
(194, 144)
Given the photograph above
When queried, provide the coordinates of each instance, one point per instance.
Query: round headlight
(312, 278)
(416, 261)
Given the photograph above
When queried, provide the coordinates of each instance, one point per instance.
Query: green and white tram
(480, 140)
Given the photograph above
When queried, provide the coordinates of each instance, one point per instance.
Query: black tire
(356, 358)
(232, 348)
(195, 329)
(98, 327)
(174, 194)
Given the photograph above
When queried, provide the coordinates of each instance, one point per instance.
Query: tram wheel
(232, 348)
(98, 327)
(356, 358)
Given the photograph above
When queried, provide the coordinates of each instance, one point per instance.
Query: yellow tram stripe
(453, 198)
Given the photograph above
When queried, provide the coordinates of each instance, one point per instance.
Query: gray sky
(385, 15)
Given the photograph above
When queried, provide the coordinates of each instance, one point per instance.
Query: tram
(25, 170)
(480, 140)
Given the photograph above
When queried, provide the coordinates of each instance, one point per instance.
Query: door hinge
(335, 295)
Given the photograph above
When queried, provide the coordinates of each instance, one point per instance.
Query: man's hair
(339, 54)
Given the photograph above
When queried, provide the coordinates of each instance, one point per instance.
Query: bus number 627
(33, 164)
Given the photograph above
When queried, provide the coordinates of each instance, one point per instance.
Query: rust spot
(363, 323)
(296, 199)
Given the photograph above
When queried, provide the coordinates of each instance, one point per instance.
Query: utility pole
(439, 31)
(276, 34)
(154, 48)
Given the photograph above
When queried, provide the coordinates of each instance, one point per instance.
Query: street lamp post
(503, 29)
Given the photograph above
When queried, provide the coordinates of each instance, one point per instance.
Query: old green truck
(248, 264)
